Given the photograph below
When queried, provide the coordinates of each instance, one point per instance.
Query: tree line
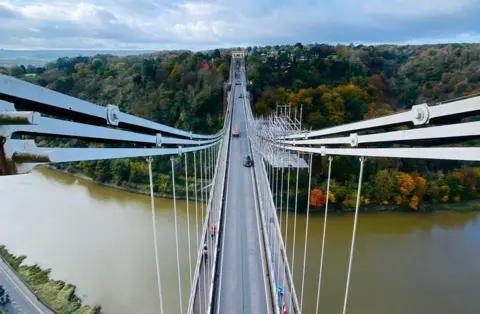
(182, 89)
(342, 84)
(334, 84)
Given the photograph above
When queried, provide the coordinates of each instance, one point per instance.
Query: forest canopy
(334, 84)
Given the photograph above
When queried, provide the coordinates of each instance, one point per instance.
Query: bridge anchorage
(243, 218)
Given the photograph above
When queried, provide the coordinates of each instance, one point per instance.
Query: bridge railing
(215, 210)
(27, 109)
(422, 115)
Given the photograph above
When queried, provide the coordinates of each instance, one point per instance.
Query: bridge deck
(243, 284)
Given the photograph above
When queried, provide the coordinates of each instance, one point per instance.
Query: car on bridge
(4, 296)
(235, 132)
(238, 83)
(247, 161)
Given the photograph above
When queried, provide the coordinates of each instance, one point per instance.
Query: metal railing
(27, 109)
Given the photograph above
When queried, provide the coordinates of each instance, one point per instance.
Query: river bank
(59, 296)
(123, 188)
(465, 206)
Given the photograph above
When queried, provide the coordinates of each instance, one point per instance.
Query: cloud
(192, 24)
(7, 12)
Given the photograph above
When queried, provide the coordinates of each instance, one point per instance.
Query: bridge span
(246, 268)
(243, 285)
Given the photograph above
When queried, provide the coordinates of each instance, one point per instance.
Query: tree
(469, 178)
(96, 64)
(384, 186)
(414, 201)
(216, 54)
(420, 186)
(16, 71)
(405, 184)
(317, 198)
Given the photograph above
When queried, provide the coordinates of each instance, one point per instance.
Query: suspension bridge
(239, 213)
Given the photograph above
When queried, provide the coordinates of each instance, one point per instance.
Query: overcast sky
(197, 25)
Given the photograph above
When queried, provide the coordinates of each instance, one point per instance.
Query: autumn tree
(420, 186)
(405, 185)
(317, 198)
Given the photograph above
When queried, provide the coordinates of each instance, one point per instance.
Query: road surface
(243, 286)
(202, 294)
(23, 301)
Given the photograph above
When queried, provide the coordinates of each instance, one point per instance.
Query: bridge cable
(271, 210)
(281, 208)
(188, 223)
(196, 204)
(154, 224)
(196, 216)
(208, 220)
(330, 159)
(306, 231)
(208, 168)
(287, 209)
(172, 159)
(277, 268)
(212, 161)
(276, 188)
(268, 187)
(282, 178)
(362, 161)
(203, 224)
(295, 223)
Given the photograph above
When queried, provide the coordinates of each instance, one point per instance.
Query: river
(100, 239)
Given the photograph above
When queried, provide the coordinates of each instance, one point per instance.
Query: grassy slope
(57, 294)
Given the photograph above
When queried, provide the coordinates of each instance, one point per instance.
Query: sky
(199, 25)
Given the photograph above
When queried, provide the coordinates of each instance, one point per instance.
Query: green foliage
(342, 84)
(12, 260)
(179, 89)
(397, 75)
(57, 294)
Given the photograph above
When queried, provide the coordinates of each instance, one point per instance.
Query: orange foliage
(405, 184)
(444, 190)
(331, 197)
(420, 186)
(317, 198)
(414, 202)
(327, 97)
(460, 176)
(348, 203)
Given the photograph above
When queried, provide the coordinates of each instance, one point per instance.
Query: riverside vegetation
(57, 294)
(335, 84)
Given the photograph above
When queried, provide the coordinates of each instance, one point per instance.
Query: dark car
(247, 161)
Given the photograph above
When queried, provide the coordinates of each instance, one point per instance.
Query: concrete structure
(238, 54)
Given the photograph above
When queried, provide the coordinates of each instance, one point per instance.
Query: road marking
(20, 290)
(220, 276)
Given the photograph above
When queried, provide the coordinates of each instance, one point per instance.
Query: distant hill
(40, 57)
